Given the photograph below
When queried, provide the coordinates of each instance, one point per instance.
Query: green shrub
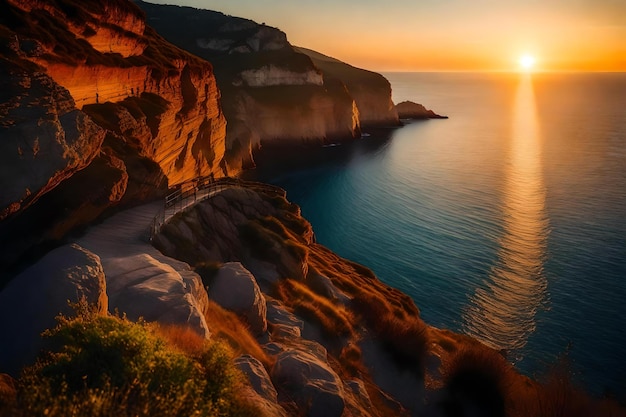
(111, 366)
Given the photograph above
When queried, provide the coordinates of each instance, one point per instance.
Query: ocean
(506, 222)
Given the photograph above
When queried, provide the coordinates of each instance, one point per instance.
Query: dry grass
(267, 238)
(359, 281)
(183, 338)
(481, 360)
(351, 361)
(448, 344)
(227, 326)
(404, 335)
(390, 314)
(334, 319)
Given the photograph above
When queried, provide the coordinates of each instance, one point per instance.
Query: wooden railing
(190, 192)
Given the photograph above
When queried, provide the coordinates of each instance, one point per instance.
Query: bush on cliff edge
(107, 365)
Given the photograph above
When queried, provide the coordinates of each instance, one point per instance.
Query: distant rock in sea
(411, 110)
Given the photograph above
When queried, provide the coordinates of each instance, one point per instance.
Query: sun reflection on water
(501, 312)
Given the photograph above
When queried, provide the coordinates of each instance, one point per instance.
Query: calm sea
(506, 222)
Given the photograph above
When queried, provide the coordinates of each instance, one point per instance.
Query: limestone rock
(310, 381)
(142, 286)
(285, 323)
(236, 289)
(325, 286)
(410, 110)
(214, 33)
(258, 377)
(272, 75)
(265, 408)
(361, 403)
(109, 27)
(32, 300)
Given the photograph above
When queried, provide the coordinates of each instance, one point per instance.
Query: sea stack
(415, 111)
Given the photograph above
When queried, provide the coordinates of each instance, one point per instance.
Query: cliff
(339, 341)
(273, 93)
(97, 111)
(371, 91)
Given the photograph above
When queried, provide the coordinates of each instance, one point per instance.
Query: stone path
(141, 281)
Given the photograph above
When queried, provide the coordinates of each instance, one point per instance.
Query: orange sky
(447, 35)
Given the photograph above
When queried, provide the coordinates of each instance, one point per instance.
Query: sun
(527, 62)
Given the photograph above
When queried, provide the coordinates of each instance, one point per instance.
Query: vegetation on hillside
(110, 366)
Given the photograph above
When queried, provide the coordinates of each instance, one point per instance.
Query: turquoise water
(505, 222)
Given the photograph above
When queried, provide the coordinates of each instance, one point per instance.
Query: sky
(447, 35)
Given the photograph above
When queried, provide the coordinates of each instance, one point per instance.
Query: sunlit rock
(140, 285)
(370, 90)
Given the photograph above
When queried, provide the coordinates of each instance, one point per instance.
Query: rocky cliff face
(97, 110)
(371, 91)
(341, 342)
(275, 94)
(326, 322)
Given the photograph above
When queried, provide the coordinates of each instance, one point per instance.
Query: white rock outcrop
(142, 282)
(258, 377)
(272, 75)
(142, 286)
(284, 322)
(236, 289)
